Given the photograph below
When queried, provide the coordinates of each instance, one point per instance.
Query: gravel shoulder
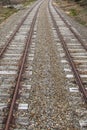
(80, 28)
(10, 24)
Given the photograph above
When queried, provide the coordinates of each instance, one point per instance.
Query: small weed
(5, 13)
(73, 12)
(81, 21)
(28, 2)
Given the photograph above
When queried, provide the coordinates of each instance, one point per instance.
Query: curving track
(14, 55)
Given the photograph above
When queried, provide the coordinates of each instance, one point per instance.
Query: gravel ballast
(49, 106)
(49, 97)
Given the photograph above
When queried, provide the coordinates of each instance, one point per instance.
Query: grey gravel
(49, 107)
(47, 98)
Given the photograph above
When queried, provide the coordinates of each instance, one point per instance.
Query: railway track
(10, 38)
(74, 47)
(73, 53)
(16, 60)
(15, 74)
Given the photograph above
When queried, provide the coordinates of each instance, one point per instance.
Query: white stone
(69, 76)
(23, 106)
(66, 69)
(64, 61)
(83, 123)
(73, 89)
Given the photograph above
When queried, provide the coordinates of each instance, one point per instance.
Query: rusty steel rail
(14, 33)
(21, 69)
(69, 58)
(71, 29)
